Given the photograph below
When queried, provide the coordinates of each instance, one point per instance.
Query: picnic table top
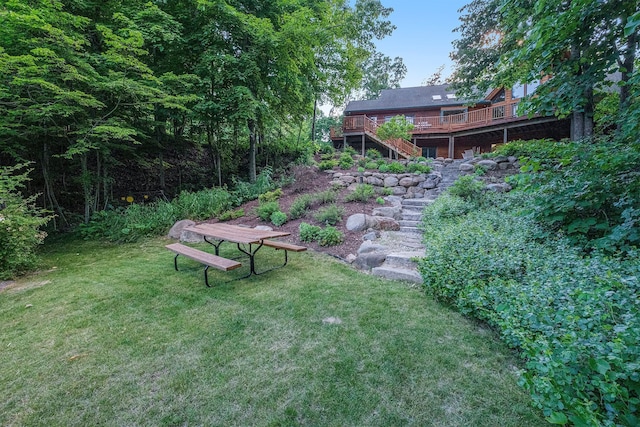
(235, 233)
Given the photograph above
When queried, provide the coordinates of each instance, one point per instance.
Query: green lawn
(111, 335)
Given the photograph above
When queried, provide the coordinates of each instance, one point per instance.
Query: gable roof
(409, 98)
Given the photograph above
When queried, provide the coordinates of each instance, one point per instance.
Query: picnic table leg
(215, 245)
(251, 253)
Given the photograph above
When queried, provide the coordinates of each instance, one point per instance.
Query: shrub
(328, 164)
(362, 162)
(327, 156)
(270, 196)
(380, 200)
(373, 154)
(308, 232)
(264, 210)
(330, 236)
(330, 215)
(371, 165)
(203, 204)
(467, 187)
(418, 168)
(278, 218)
(326, 149)
(20, 223)
(387, 191)
(244, 191)
(349, 150)
(346, 161)
(324, 197)
(300, 206)
(231, 214)
(396, 167)
(362, 193)
(384, 168)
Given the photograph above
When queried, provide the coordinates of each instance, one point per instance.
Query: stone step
(397, 274)
(416, 202)
(415, 230)
(404, 259)
(408, 223)
(411, 216)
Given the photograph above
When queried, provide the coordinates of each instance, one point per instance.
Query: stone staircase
(405, 246)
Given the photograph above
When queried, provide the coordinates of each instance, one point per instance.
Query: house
(444, 125)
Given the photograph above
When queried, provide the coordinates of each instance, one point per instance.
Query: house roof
(409, 98)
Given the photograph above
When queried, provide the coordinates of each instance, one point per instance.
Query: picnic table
(248, 241)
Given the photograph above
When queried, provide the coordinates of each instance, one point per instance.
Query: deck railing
(482, 117)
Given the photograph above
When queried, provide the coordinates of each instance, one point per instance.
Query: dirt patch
(309, 180)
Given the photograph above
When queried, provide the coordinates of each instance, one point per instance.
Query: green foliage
(397, 127)
(349, 150)
(346, 161)
(384, 168)
(371, 165)
(245, 191)
(323, 197)
(467, 187)
(569, 315)
(270, 196)
(362, 193)
(380, 200)
(203, 204)
(373, 154)
(387, 191)
(20, 223)
(330, 215)
(326, 149)
(396, 167)
(264, 210)
(308, 232)
(300, 206)
(415, 167)
(330, 236)
(231, 214)
(328, 164)
(278, 218)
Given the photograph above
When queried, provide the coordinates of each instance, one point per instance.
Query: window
(499, 97)
(436, 97)
(531, 87)
(387, 118)
(451, 96)
(429, 152)
(409, 119)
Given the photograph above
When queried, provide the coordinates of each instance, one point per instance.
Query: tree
(397, 127)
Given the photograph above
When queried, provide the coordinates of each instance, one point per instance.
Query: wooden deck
(498, 113)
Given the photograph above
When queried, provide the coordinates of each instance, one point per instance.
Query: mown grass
(112, 335)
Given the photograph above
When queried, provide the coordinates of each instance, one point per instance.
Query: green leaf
(557, 418)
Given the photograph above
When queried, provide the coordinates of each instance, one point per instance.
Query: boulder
(389, 211)
(374, 180)
(177, 228)
(383, 223)
(368, 261)
(488, 164)
(406, 182)
(357, 222)
(390, 181)
(466, 167)
(499, 188)
(368, 247)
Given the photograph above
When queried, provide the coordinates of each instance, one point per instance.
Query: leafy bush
(231, 214)
(300, 206)
(20, 223)
(203, 204)
(349, 150)
(387, 191)
(328, 164)
(308, 232)
(362, 193)
(380, 200)
(346, 161)
(384, 167)
(278, 218)
(396, 167)
(467, 187)
(574, 319)
(326, 149)
(324, 197)
(373, 154)
(270, 196)
(246, 191)
(327, 156)
(418, 168)
(330, 215)
(371, 165)
(264, 210)
(330, 236)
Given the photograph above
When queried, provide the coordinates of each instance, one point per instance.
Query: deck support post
(451, 146)
(504, 136)
(363, 145)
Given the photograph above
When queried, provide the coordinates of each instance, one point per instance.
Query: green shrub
(418, 168)
(270, 196)
(20, 223)
(326, 149)
(362, 163)
(373, 154)
(264, 210)
(245, 191)
(231, 214)
(349, 150)
(308, 232)
(371, 165)
(328, 164)
(329, 215)
(362, 193)
(396, 167)
(300, 206)
(467, 187)
(203, 204)
(327, 156)
(278, 218)
(384, 168)
(324, 197)
(346, 161)
(330, 236)
(387, 191)
(380, 200)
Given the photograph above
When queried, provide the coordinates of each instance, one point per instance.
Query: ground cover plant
(111, 335)
(574, 317)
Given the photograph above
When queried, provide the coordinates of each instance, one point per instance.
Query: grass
(111, 335)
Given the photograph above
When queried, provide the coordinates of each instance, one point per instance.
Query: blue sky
(423, 36)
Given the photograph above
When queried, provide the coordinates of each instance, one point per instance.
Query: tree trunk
(86, 187)
(313, 123)
(252, 151)
(50, 195)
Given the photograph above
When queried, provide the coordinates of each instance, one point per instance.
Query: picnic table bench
(209, 260)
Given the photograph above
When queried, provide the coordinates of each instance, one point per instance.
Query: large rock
(370, 260)
(177, 228)
(390, 181)
(406, 182)
(357, 222)
(394, 212)
(466, 167)
(488, 164)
